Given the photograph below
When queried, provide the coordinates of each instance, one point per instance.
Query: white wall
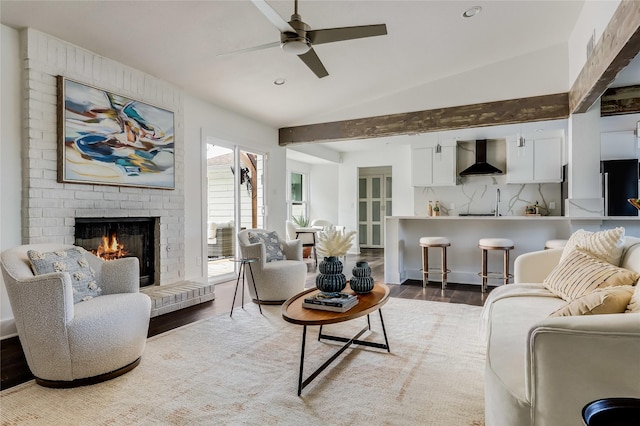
(10, 163)
(595, 16)
(324, 192)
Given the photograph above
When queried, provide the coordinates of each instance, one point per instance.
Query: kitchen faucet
(497, 211)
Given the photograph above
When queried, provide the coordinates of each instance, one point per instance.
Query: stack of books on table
(336, 302)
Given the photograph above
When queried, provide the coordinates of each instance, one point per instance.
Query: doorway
(235, 201)
(374, 203)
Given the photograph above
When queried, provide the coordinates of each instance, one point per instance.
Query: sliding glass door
(235, 201)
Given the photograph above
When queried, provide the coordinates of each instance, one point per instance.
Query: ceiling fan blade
(250, 49)
(273, 16)
(313, 62)
(331, 35)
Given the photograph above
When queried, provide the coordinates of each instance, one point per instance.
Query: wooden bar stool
(434, 242)
(554, 244)
(486, 244)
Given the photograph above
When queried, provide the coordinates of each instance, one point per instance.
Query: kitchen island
(402, 257)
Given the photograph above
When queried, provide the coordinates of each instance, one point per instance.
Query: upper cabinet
(537, 160)
(434, 164)
(620, 145)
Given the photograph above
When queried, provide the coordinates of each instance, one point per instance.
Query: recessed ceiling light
(471, 12)
(279, 81)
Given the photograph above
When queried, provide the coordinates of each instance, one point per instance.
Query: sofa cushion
(581, 273)
(634, 303)
(272, 244)
(72, 261)
(610, 300)
(604, 245)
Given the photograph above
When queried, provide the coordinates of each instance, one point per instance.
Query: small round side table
(244, 262)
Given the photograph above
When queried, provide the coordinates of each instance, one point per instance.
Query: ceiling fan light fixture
(471, 12)
(296, 46)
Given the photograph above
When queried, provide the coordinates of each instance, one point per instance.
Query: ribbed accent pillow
(610, 300)
(634, 303)
(580, 274)
(604, 245)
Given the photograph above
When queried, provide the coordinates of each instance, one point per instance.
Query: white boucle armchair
(275, 281)
(69, 344)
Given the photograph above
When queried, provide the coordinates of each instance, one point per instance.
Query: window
(297, 194)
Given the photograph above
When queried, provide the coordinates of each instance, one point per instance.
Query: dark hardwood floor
(13, 365)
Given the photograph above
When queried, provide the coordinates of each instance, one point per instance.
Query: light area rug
(244, 371)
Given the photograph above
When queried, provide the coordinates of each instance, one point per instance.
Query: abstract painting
(109, 139)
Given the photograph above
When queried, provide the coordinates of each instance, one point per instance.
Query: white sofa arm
(572, 361)
(535, 266)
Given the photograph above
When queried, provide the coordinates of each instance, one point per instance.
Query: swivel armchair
(277, 280)
(69, 344)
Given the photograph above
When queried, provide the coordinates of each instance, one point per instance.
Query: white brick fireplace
(49, 207)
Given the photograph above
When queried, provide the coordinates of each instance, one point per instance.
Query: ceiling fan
(298, 38)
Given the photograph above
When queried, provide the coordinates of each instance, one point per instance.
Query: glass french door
(235, 201)
(374, 203)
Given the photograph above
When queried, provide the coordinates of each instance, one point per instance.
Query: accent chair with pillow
(566, 333)
(280, 271)
(80, 319)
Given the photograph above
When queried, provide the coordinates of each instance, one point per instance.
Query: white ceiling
(431, 57)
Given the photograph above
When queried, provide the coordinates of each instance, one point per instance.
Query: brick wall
(49, 208)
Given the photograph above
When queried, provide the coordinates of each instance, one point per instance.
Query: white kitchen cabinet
(432, 168)
(538, 161)
(619, 145)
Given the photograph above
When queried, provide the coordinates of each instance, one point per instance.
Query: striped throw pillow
(580, 273)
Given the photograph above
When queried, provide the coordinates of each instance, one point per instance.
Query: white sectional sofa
(543, 370)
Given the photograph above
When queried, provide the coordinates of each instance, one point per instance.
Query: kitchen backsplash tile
(478, 195)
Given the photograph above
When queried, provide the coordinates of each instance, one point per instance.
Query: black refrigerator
(619, 182)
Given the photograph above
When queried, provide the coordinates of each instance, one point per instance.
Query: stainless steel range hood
(481, 167)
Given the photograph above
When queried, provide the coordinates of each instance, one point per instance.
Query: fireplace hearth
(113, 237)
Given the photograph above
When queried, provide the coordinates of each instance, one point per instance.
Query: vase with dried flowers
(332, 244)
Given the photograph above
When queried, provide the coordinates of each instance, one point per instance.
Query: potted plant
(300, 221)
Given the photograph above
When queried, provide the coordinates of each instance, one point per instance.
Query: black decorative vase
(362, 281)
(330, 279)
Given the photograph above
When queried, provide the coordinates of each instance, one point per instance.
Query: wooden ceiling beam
(620, 100)
(537, 108)
(618, 45)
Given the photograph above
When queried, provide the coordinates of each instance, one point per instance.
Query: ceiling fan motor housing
(296, 43)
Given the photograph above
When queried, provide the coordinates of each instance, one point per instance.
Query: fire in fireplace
(110, 248)
(112, 238)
